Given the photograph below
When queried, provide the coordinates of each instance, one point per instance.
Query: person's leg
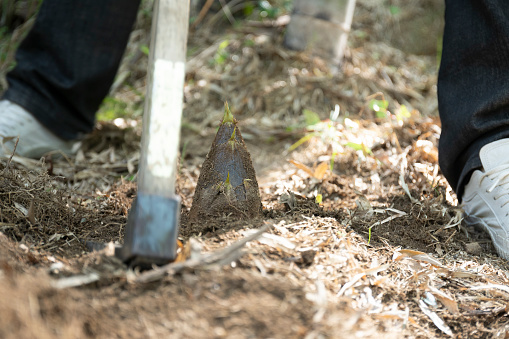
(473, 95)
(473, 84)
(68, 61)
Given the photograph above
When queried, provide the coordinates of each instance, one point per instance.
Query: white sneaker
(35, 140)
(486, 197)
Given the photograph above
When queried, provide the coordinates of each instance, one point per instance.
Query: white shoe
(35, 140)
(486, 197)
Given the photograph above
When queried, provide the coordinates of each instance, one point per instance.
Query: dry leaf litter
(374, 247)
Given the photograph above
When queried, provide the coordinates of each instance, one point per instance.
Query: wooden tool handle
(163, 102)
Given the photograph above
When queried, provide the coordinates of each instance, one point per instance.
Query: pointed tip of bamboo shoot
(228, 116)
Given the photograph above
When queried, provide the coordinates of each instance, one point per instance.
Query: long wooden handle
(163, 102)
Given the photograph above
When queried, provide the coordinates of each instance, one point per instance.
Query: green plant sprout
(324, 129)
(262, 10)
(329, 131)
(369, 234)
(380, 107)
(402, 113)
(319, 198)
(335, 131)
(332, 159)
(360, 147)
(221, 54)
(111, 108)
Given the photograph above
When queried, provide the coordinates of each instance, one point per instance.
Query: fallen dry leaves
(384, 255)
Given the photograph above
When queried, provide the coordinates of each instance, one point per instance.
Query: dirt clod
(473, 248)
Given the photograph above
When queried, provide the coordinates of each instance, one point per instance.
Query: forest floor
(364, 238)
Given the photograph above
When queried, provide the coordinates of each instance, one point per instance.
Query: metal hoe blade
(151, 231)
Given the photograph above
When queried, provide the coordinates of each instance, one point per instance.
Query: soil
(364, 237)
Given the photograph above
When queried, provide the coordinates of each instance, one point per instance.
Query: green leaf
(221, 54)
(144, 49)
(311, 117)
(248, 9)
(111, 108)
(318, 199)
(332, 159)
(220, 59)
(301, 141)
(249, 43)
(403, 113)
(359, 147)
(395, 10)
(223, 45)
(272, 13)
(378, 105)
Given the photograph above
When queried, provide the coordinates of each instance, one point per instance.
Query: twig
(202, 13)
(233, 6)
(450, 237)
(220, 257)
(227, 12)
(75, 281)
(13, 151)
(281, 21)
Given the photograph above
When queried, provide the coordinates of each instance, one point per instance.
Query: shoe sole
(471, 220)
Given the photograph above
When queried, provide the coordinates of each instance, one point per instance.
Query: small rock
(307, 257)
(473, 248)
(289, 199)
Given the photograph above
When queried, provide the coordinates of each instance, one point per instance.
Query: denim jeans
(68, 61)
(473, 84)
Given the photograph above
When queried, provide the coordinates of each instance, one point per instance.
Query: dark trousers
(68, 61)
(473, 84)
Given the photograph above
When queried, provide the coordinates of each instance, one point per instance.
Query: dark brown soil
(185, 301)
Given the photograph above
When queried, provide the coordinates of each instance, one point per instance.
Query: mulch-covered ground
(360, 234)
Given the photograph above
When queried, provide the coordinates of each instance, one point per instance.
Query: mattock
(152, 225)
